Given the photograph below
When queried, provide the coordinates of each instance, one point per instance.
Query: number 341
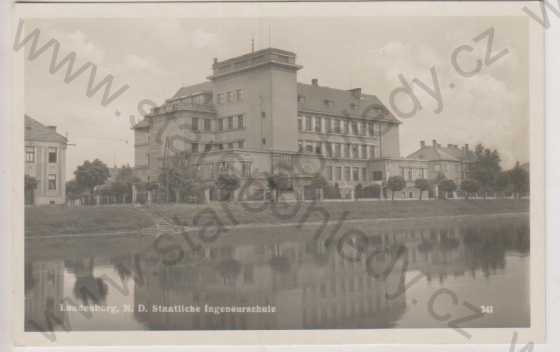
(487, 309)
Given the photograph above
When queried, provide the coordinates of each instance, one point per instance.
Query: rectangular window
(330, 172)
(230, 97)
(410, 174)
(300, 123)
(328, 147)
(318, 148)
(230, 122)
(364, 151)
(377, 175)
(148, 159)
(230, 145)
(370, 128)
(239, 93)
(308, 123)
(347, 151)
(364, 174)
(220, 98)
(240, 123)
(355, 151)
(376, 128)
(372, 152)
(52, 155)
(318, 124)
(337, 150)
(355, 128)
(245, 168)
(337, 128)
(241, 144)
(195, 123)
(52, 182)
(220, 124)
(207, 124)
(356, 173)
(346, 126)
(328, 126)
(220, 146)
(364, 128)
(207, 147)
(300, 146)
(301, 99)
(339, 173)
(309, 147)
(194, 147)
(30, 154)
(347, 173)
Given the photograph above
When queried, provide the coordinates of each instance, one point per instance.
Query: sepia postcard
(278, 173)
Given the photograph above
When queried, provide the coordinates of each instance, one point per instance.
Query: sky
(155, 57)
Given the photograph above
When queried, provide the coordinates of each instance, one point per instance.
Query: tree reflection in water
(87, 288)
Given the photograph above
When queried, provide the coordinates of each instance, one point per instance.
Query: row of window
(320, 124)
(412, 173)
(208, 147)
(230, 96)
(30, 154)
(340, 150)
(356, 174)
(221, 124)
(196, 147)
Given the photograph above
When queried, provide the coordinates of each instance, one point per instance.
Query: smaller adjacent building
(45, 161)
(452, 161)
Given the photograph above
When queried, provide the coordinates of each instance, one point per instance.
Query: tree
(73, 189)
(469, 186)
(124, 182)
(91, 174)
(395, 184)
(228, 183)
(519, 180)
(503, 181)
(423, 185)
(485, 169)
(30, 185)
(446, 186)
(279, 183)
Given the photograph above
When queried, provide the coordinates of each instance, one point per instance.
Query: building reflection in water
(312, 286)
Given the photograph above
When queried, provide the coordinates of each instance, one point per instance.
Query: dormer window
(328, 103)
(301, 99)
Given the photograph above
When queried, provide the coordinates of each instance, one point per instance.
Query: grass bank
(55, 220)
(62, 220)
(294, 212)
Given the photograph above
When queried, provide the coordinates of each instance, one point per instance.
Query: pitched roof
(449, 153)
(36, 131)
(343, 102)
(195, 88)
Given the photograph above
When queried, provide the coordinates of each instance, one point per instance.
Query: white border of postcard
(536, 333)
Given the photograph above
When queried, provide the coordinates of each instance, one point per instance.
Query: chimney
(422, 144)
(467, 147)
(449, 145)
(215, 60)
(356, 92)
(434, 143)
(52, 128)
(315, 82)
